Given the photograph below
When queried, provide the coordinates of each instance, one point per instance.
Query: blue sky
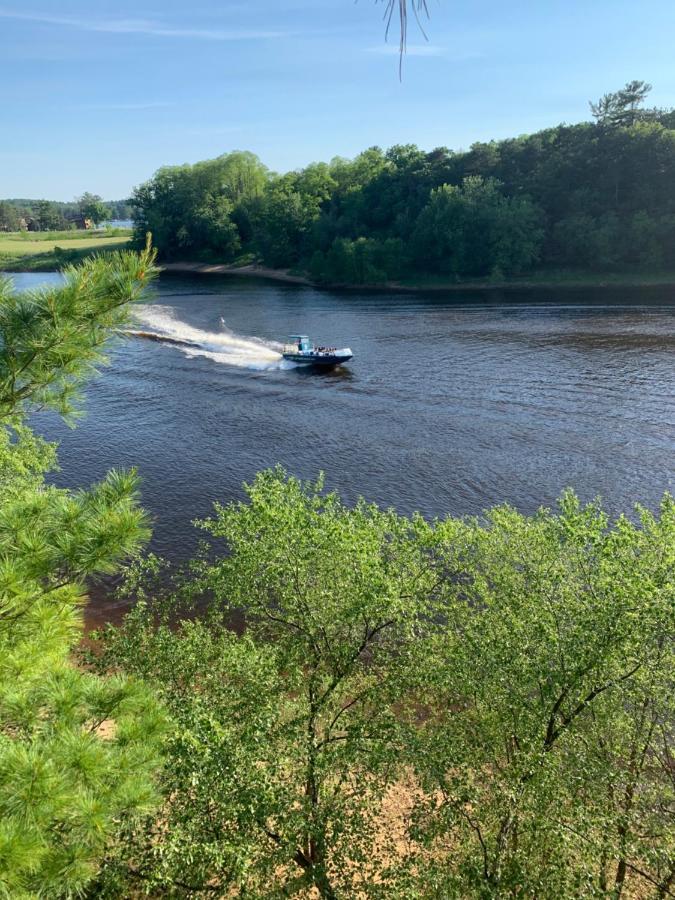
(97, 95)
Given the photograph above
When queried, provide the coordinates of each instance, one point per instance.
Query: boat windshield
(301, 344)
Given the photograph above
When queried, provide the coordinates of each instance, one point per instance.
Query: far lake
(452, 402)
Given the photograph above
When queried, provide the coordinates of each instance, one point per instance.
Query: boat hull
(320, 360)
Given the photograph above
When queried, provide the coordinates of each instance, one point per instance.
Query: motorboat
(303, 351)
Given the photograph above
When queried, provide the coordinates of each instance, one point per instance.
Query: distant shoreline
(47, 262)
(540, 282)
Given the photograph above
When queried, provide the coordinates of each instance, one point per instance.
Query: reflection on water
(451, 403)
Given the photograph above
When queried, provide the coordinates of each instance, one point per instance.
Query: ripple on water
(449, 405)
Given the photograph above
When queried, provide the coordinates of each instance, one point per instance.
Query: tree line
(461, 708)
(51, 215)
(597, 196)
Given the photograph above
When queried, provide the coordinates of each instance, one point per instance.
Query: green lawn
(42, 251)
(29, 237)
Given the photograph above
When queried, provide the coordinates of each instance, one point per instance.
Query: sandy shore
(250, 271)
(575, 283)
(285, 276)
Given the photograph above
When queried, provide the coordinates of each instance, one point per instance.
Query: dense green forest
(457, 708)
(597, 196)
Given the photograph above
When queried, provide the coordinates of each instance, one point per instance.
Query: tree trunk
(316, 838)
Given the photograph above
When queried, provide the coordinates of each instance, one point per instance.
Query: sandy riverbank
(542, 282)
(247, 271)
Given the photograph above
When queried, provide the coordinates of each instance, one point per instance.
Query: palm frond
(418, 8)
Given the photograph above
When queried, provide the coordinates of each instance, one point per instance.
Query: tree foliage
(52, 215)
(77, 752)
(508, 678)
(92, 207)
(53, 339)
(280, 760)
(546, 755)
(47, 216)
(9, 217)
(623, 107)
(589, 196)
(190, 210)
(473, 229)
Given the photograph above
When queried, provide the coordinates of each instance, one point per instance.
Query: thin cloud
(143, 26)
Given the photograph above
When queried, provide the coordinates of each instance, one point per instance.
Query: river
(452, 402)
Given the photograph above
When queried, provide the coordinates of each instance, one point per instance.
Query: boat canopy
(303, 342)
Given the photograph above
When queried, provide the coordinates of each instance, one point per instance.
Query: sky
(96, 95)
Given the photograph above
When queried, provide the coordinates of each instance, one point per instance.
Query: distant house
(75, 220)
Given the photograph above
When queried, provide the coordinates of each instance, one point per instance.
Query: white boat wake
(221, 346)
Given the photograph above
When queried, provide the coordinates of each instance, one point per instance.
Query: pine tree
(77, 751)
(623, 108)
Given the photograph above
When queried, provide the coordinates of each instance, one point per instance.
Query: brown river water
(452, 402)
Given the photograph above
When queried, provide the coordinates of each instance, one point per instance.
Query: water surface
(452, 403)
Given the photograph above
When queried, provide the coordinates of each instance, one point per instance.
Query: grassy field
(44, 251)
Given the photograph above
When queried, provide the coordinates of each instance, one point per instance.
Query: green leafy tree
(363, 261)
(77, 752)
(475, 230)
(211, 225)
(383, 193)
(577, 196)
(120, 209)
(279, 763)
(194, 211)
(92, 207)
(546, 750)
(47, 216)
(9, 217)
(510, 677)
(287, 210)
(281, 221)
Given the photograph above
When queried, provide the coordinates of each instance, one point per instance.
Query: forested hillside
(597, 196)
